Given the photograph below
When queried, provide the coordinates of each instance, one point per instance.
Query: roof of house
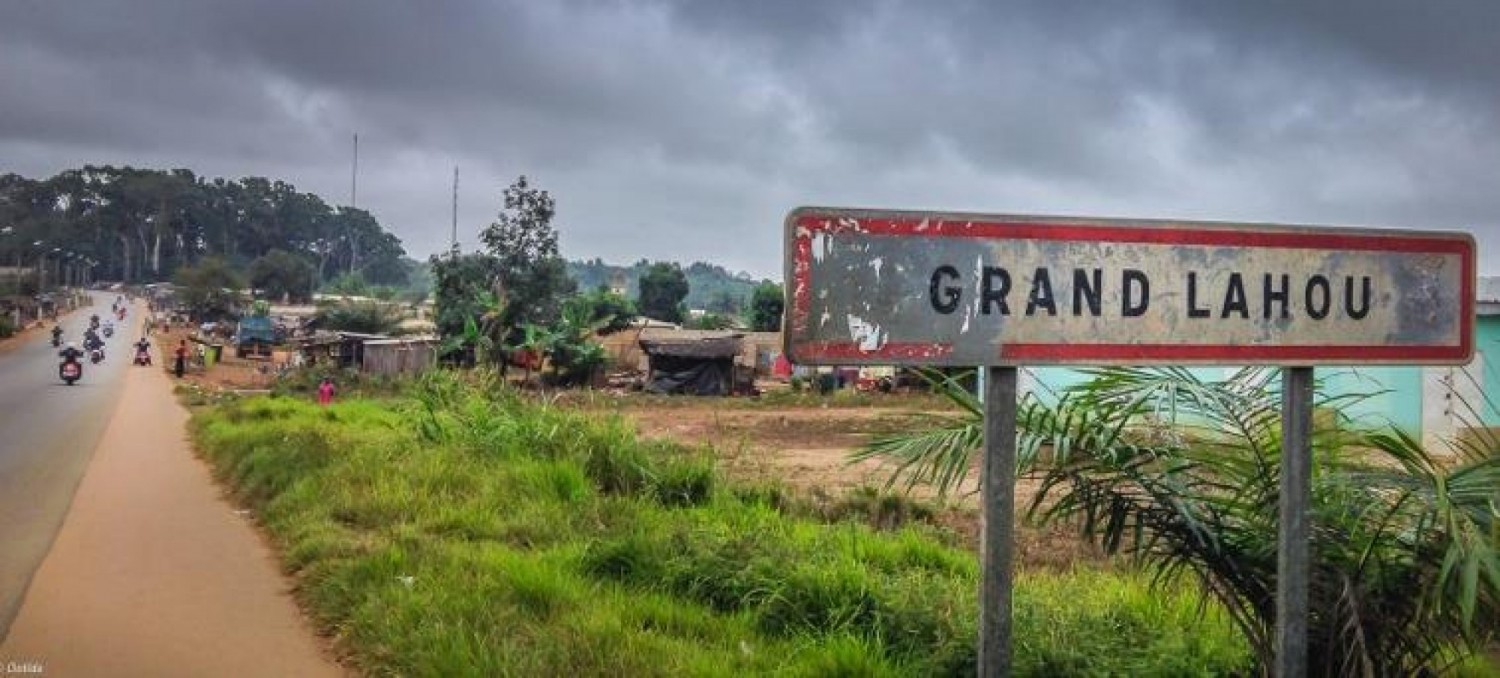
(1487, 296)
(709, 347)
(401, 341)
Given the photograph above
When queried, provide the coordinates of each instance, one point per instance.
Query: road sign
(918, 288)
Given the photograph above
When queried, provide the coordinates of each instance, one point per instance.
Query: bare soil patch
(228, 374)
(808, 447)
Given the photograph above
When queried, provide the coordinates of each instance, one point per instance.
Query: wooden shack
(400, 356)
(691, 366)
(343, 349)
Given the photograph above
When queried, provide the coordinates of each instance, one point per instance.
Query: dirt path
(153, 572)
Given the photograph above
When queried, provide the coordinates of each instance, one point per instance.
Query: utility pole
(354, 175)
(353, 203)
(453, 247)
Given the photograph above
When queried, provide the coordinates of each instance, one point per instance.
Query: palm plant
(482, 332)
(1182, 474)
(491, 306)
(574, 355)
(471, 339)
(533, 341)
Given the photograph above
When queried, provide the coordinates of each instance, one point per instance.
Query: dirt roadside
(154, 573)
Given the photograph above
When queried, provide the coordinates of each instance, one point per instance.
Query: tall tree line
(142, 224)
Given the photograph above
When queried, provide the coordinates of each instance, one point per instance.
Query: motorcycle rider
(57, 332)
(71, 356)
(143, 352)
(70, 353)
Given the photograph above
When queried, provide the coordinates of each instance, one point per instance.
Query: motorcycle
(142, 356)
(70, 371)
(109, 331)
(56, 340)
(96, 356)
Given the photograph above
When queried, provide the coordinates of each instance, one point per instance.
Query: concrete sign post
(870, 287)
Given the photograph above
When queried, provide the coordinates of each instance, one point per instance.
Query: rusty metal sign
(916, 288)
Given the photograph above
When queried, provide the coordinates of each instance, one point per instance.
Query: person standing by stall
(179, 358)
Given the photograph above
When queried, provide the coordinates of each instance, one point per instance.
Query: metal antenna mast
(454, 246)
(354, 175)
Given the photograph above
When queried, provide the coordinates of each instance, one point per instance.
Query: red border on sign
(848, 350)
(807, 225)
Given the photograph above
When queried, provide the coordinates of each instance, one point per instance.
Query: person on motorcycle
(71, 367)
(57, 332)
(143, 352)
(70, 353)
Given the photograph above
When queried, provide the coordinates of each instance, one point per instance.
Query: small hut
(343, 349)
(691, 366)
(400, 356)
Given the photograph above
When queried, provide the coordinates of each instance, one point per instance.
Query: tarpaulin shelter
(691, 366)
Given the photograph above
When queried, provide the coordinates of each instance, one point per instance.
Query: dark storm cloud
(685, 129)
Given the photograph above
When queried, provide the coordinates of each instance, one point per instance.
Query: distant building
(619, 285)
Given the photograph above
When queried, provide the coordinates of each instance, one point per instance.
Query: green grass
(462, 530)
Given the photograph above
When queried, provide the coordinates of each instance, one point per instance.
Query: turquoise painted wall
(1487, 343)
(1395, 393)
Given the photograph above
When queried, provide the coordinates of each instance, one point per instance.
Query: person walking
(179, 362)
(325, 391)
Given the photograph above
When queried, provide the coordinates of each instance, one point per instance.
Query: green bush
(1181, 473)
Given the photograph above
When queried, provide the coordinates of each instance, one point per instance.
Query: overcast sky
(686, 130)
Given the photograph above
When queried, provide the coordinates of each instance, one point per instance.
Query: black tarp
(690, 376)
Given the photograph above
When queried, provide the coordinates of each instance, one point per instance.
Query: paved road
(153, 572)
(48, 432)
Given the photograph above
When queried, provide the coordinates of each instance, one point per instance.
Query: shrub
(1182, 473)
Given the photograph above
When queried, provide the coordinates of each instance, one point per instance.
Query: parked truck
(254, 337)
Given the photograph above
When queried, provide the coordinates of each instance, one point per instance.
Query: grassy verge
(460, 530)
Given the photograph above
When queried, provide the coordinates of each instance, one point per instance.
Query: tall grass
(463, 530)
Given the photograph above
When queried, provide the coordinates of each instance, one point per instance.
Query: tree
(723, 302)
(610, 311)
(570, 345)
(711, 321)
(349, 285)
(1182, 473)
(364, 317)
(464, 293)
(141, 223)
(663, 287)
(532, 276)
(280, 273)
(210, 288)
(766, 306)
